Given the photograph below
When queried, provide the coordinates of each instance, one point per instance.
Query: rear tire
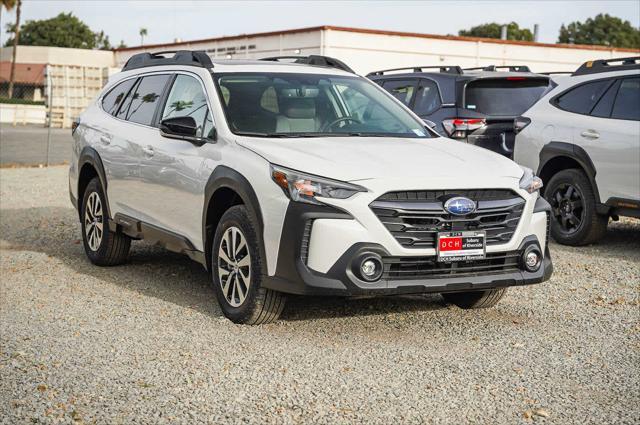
(237, 269)
(475, 299)
(574, 219)
(103, 246)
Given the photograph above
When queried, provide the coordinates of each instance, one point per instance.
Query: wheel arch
(558, 156)
(225, 188)
(90, 166)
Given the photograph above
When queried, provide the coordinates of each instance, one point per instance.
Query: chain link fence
(35, 119)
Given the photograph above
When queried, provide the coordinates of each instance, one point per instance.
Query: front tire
(574, 219)
(102, 246)
(475, 299)
(237, 269)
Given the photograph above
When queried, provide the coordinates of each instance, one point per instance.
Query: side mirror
(430, 124)
(183, 128)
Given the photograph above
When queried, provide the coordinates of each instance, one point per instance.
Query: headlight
(302, 187)
(529, 181)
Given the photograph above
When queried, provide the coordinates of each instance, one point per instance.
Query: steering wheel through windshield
(338, 121)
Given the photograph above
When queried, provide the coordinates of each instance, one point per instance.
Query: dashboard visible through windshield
(311, 105)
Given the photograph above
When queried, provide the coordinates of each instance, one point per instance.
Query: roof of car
(466, 75)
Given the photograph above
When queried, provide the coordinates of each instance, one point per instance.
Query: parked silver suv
(299, 178)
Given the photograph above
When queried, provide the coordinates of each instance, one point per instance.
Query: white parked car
(298, 178)
(583, 138)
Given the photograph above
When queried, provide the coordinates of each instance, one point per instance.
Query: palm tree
(9, 4)
(143, 32)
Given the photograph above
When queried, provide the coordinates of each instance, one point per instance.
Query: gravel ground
(146, 342)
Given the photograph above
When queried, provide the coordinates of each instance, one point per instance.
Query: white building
(367, 50)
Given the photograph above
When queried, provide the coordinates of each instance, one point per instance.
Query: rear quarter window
(112, 99)
(582, 98)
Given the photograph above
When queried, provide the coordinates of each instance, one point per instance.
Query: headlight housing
(302, 187)
(529, 181)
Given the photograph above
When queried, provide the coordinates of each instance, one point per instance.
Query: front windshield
(309, 105)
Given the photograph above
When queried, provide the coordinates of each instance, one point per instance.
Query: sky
(166, 21)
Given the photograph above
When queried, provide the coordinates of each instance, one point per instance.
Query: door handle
(105, 140)
(148, 151)
(590, 134)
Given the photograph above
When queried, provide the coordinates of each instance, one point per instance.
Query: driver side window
(187, 98)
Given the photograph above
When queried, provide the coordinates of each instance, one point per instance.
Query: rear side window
(187, 99)
(111, 100)
(401, 90)
(582, 98)
(144, 101)
(427, 98)
(605, 104)
(509, 96)
(627, 104)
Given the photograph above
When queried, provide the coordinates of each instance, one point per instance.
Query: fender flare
(225, 177)
(90, 156)
(556, 149)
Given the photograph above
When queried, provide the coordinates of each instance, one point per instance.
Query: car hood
(362, 158)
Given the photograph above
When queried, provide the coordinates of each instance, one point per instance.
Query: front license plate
(461, 246)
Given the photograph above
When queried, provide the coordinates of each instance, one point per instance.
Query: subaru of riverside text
(297, 176)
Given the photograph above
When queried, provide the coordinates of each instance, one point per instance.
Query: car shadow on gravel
(154, 271)
(174, 278)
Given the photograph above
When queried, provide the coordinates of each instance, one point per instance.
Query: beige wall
(59, 56)
(369, 52)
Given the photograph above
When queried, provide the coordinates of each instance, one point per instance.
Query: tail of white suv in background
(299, 178)
(583, 138)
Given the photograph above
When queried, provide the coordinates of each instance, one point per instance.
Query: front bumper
(294, 274)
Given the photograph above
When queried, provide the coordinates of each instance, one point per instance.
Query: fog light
(369, 267)
(532, 259)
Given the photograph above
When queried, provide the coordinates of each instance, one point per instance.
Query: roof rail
(316, 60)
(605, 65)
(180, 57)
(444, 69)
(556, 73)
(510, 68)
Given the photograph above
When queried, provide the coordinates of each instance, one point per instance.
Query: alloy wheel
(234, 266)
(568, 207)
(93, 221)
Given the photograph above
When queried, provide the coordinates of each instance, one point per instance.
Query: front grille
(398, 268)
(414, 218)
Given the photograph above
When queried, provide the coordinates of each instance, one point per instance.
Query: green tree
(603, 30)
(10, 4)
(493, 30)
(64, 30)
(143, 33)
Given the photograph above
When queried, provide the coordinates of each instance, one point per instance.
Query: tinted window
(112, 99)
(627, 104)
(187, 99)
(145, 99)
(604, 105)
(401, 90)
(582, 98)
(427, 98)
(504, 96)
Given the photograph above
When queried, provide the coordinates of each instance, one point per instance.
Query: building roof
(26, 73)
(382, 32)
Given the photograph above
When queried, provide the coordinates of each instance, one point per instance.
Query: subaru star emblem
(460, 206)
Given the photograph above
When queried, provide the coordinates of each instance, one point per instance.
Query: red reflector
(516, 78)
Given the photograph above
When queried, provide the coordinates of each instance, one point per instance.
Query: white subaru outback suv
(583, 138)
(298, 178)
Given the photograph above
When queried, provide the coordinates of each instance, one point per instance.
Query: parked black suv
(476, 105)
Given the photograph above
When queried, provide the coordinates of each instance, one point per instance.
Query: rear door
(609, 132)
(499, 101)
(136, 116)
